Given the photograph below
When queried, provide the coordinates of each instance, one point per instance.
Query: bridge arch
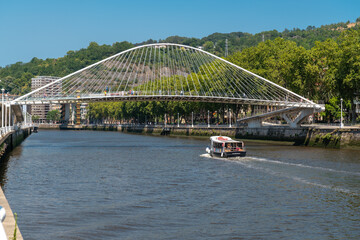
(165, 71)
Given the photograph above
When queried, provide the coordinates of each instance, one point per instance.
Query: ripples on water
(250, 162)
(109, 185)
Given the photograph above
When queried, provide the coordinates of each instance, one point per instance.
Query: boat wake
(207, 155)
(249, 161)
(303, 166)
(282, 163)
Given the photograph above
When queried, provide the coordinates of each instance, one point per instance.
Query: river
(111, 185)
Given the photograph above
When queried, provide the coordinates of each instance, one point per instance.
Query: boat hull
(229, 154)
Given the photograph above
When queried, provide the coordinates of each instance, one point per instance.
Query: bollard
(2, 218)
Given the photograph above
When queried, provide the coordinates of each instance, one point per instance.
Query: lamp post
(25, 111)
(5, 114)
(9, 115)
(178, 121)
(192, 119)
(208, 118)
(229, 117)
(2, 108)
(341, 116)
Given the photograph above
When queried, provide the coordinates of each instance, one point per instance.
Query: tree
(322, 69)
(348, 76)
(209, 46)
(333, 111)
(278, 60)
(35, 118)
(53, 115)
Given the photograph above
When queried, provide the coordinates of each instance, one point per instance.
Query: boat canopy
(222, 139)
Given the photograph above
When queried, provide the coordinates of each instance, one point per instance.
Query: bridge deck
(189, 98)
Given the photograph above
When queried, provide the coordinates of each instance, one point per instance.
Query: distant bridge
(168, 72)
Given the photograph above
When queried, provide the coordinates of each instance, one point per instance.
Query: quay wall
(7, 143)
(330, 137)
(12, 140)
(342, 138)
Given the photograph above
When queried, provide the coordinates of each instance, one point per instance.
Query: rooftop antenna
(226, 48)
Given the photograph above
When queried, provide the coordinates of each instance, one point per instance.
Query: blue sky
(48, 29)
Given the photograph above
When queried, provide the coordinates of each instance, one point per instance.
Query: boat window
(217, 145)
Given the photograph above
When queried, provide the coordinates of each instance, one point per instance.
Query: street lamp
(5, 114)
(208, 118)
(192, 119)
(341, 116)
(9, 114)
(229, 117)
(24, 112)
(2, 108)
(178, 121)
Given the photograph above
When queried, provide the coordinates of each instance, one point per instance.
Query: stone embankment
(344, 138)
(7, 143)
(12, 139)
(317, 136)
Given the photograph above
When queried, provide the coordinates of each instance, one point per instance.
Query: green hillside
(321, 63)
(16, 77)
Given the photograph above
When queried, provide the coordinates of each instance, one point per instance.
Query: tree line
(321, 64)
(16, 77)
(152, 112)
(325, 73)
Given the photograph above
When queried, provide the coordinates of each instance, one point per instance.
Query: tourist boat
(222, 146)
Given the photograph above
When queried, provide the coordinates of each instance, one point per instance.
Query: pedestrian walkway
(9, 222)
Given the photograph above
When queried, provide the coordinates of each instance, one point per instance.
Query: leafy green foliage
(329, 70)
(321, 64)
(35, 118)
(333, 111)
(16, 78)
(53, 115)
(143, 112)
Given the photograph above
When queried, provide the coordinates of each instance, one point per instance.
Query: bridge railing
(6, 130)
(9, 124)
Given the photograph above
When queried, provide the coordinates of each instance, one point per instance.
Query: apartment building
(55, 89)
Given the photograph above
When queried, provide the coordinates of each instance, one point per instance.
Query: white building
(55, 89)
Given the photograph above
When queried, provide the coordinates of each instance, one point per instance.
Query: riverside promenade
(9, 222)
(10, 138)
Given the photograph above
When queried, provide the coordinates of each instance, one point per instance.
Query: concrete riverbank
(316, 136)
(344, 138)
(7, 143)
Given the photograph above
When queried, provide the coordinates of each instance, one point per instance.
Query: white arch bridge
(171, 72)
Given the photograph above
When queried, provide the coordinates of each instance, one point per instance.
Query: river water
(110, 185)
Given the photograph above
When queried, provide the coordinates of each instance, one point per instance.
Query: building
(55, 89)
(84, 112)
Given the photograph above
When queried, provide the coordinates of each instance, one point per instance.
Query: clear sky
(50, 28)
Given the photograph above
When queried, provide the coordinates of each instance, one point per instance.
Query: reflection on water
(4, 166)
(109, 185)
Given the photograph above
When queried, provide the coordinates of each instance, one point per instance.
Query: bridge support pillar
(73, 113)
(78, 114)
(65, 113)
(296, 121)
(256, 123)
(24, 112)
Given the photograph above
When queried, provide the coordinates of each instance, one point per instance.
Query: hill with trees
(321, 63)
